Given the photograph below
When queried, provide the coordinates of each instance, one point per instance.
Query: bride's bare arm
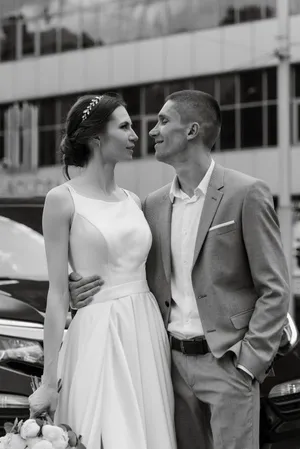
(58, 211)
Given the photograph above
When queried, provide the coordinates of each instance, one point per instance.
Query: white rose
(29, 429)
(32, 441)
(4, 441)
(52, 433)
(43, 444)
(12, 441)
(60, 444)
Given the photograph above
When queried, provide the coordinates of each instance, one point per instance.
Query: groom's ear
(193, 131)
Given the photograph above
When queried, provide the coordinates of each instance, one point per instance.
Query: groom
(218, 272)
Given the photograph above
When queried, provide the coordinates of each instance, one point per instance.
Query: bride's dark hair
(86, 119)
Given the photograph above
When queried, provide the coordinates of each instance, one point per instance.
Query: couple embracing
(181, 302)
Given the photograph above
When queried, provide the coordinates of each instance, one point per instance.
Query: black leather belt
(195, 346)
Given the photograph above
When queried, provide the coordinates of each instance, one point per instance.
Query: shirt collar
(176, 192)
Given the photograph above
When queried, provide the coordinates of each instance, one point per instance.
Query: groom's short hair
(200, 107)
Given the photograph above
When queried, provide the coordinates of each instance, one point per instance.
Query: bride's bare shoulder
(59, 201)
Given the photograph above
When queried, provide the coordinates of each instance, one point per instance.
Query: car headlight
(13, 401)
(285, 389)
(19, 351)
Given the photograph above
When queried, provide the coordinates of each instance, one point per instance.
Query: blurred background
(52, 51)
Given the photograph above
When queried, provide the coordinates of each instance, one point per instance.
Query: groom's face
(169, 134)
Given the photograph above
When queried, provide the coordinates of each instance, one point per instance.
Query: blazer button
(167, 303)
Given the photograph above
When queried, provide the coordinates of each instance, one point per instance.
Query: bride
(114, 363)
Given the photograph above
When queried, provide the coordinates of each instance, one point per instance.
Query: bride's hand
(44, 399)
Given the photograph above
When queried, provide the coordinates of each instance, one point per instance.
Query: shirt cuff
(245, 369)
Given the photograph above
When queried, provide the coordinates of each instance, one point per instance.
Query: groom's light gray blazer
(240, 275)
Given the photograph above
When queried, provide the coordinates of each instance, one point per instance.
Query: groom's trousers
(216, 404)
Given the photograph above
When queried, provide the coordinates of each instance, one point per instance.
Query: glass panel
(175, 86)
(69, 32)
(1, 146)
(110, 20)
(228, 12)
(8, 36)
(272, 125)
(227, 89)
(251, 127)
(28, 8)
(90, 27)
(136, 126)
(251, 86)
(298, 131)
(48, 34)
(150, 146)
(227, 136)
(249, 10)
(47, 147)
(2, 113)
(297, 80)
(131, 96)
(155, 97)
(272, 83)
(28, 37)
(47, 112)
(65, 105)
(206, 84)
(269, 8)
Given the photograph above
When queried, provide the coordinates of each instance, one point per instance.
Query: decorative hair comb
(88, 110)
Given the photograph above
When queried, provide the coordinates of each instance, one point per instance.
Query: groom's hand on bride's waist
(82, 289)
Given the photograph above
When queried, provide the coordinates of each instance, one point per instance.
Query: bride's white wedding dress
(115, 361)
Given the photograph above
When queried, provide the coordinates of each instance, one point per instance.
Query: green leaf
(8, 427)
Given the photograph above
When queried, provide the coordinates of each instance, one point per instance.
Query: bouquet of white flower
(39, 433)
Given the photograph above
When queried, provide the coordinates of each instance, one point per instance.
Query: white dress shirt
(185, 322)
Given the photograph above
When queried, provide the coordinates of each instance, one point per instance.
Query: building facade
(53, 51)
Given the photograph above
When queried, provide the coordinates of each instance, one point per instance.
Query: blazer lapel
(211, 204)
(165, 234)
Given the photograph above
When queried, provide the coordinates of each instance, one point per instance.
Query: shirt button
(167, 303)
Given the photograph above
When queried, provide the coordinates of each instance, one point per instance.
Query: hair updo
(86, 119)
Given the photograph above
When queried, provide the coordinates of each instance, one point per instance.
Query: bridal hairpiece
(88, 110)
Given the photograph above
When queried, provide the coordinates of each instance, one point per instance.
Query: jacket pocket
(241, 320)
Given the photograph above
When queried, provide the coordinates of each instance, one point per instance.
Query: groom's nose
(153, 132)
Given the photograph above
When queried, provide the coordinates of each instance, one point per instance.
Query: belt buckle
(182, 347)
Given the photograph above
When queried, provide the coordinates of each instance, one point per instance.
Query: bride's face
(118, 141)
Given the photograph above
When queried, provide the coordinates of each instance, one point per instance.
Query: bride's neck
(100, 177)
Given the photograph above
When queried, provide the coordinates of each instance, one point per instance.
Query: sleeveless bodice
(111, 239)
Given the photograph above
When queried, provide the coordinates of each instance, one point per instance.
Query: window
(227, 89)
(272, 83)
(28, 38)
(249, 10)
(251, 86)
(154, 96)
(131, 96)
(251, 127)
(47, 112)
(206, 84)
(8, 39)
(228, 12)
(227, 136)
(69, 36)
(47, 147)
(65, 104)
(49, 35)
(175, 86)
(272, 125)
(297, 80)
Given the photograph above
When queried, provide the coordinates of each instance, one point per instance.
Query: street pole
(283, 120)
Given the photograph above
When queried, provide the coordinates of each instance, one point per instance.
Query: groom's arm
(270, 276)
(82, 289)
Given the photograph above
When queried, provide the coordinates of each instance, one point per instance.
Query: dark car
(23, 291)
